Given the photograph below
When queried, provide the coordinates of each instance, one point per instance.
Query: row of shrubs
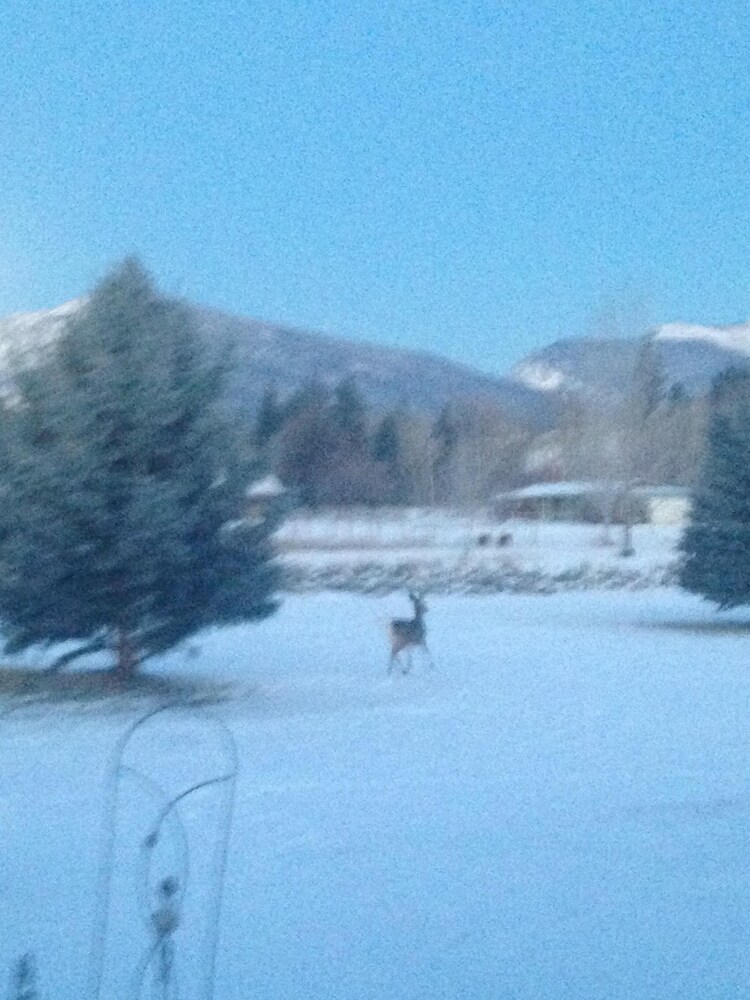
(375, 578)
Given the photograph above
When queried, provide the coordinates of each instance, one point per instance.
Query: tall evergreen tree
(717, 541)
(348, 415)
(269, 419)
(386, 449)
(122, 484)
(307, 445)
(385, 442)
(444, 438)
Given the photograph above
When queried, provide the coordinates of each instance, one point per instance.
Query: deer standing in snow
(406, 633)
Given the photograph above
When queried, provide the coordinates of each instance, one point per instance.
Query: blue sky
(475, 178)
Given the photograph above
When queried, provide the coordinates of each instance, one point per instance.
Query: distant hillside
(265, 354)
(600, 368)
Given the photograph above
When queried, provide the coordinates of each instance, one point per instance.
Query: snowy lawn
(461, 553)
(560, 811)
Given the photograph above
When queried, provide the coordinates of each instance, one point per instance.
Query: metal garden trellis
(170, 791)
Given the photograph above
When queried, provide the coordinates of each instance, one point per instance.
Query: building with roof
(595, 501)
(265, 495)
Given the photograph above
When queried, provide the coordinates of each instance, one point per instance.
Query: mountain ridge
(599, 368)
(264, 354)
(267, 354)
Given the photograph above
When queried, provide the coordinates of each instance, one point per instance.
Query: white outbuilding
(595, 501)
(264, 494)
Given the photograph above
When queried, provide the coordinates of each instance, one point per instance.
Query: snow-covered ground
(440, 550)
(559, 811)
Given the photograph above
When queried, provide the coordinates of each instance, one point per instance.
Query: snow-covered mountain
(25, 334)
(265, 354)
(268, 354)
(735, 338)
(599, 368)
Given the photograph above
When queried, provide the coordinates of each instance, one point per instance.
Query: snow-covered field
(461, 553)
(559, 811)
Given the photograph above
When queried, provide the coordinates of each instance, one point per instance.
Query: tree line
(330, 447)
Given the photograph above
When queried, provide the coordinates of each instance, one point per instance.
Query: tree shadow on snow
(36, 685)
(703, 626)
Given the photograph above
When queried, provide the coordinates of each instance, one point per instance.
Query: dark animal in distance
(503, 540)
(408, 633)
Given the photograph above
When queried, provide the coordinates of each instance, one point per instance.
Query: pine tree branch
(94, 646)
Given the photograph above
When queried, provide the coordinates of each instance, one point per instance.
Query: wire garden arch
(169, 800)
